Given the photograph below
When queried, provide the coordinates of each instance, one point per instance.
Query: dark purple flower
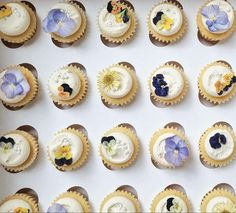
(217, 20)
(56, 208)
(14, 84)
(176, 150)
(161, 87)
(58, 22)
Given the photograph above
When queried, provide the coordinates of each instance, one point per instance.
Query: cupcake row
(118, 148)
(124, 199)
(66, 22)
(117, 84)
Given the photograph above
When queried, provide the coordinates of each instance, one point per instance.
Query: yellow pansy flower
(63, 152)
(5, 11)
(165, 22)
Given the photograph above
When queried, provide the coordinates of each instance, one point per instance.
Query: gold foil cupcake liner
(83, 90)
(126, 99)
(122, 193)
(133, 137)
(167, 39)
(167, 193)
(84, 155)
(215, 193)
(77, 196)
(206, 96)
(29, 33)
(162, 131)
(203, 154)
(211, 36)
(175, 100)
(77, 35)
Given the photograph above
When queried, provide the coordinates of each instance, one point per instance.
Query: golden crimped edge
(84, 155)
(125, 194)
(126, 99)
(82, 92)
(129, 34)
(160, 132)
(213, 36)
(77, 35)
(175, 100)
(34, 149)
(171, 38)
(133, 137)
(32, 81)
(170, 192)
(206, 158)
(205, 95)
(29, 33)
(215, 193)
(77, 196)
(21, 196)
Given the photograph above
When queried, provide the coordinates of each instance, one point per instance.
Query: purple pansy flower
(217, 20)
(58, 22)
(14, 84)
(56, 208)
(176, 150)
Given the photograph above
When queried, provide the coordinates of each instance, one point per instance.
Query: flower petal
(173, 159)
(8, 90)
(18, 75)
(56, 208)
(209, 23)
(170, 144)
(210, 11)
(49, 26)
(25, 86)
(18, 90)
(9, 77)
(67, 27)
(59, 15)
(222, 18)
(184, 153)
(181, 144)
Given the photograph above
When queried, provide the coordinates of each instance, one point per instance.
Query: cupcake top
(64, 19)
(13, 85)
(114, 19)
(16, 205)
(217, 16)
(166, 19)
(14, 19)
(14, 150)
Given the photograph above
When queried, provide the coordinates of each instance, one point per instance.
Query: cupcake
(168, 84)
(120, 201)
(119, 147)
(18, 22)
(117, 21)
(219, 200)
(68, 85)
(18, 86)
(218, 146)
(69, 202)
(167, 22)
(66, 22)
(68, 149)
(18, 150)
(216, 82)
(171, 200)
(169, 148)
(118, 85)
(216, 20)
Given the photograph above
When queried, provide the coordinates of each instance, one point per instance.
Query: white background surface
(96, 118)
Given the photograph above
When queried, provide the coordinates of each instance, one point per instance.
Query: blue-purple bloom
(14, 84)
(56, 208)
(176, 150)
(58, 22)
(217, 20)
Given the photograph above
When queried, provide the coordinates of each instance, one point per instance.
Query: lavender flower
(56, 208)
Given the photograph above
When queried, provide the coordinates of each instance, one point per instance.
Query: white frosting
(213, 74)
(216, 200)
(70, 204)
(174, 80)
(66, 139)
(173, 12)
(161, 205)
(109, 26)
(224, 6)
(126, 84)
(11, 205)
(118, 204)
(225, 150)
(17, 23)
(64, 76)
(72, 12)
(124, 149)
(19, 152)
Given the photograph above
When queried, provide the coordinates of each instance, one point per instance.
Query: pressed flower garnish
(56, 207)
(176, 150)
(173, 205)
(223, 86)
(6, 144)
(14, 84)
(217, 140)
(21, 210)
(63, 155)
(222, 207)
(161, 87)
(162, 21)
(217, 20)
(57, 21)
(110, 80)
(110, 145)
(5, 11)
(65, 91)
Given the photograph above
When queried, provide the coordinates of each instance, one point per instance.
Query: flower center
(108, 79)
(213, 18)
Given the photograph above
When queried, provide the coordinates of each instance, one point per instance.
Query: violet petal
(8, 90)
(66, 28)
